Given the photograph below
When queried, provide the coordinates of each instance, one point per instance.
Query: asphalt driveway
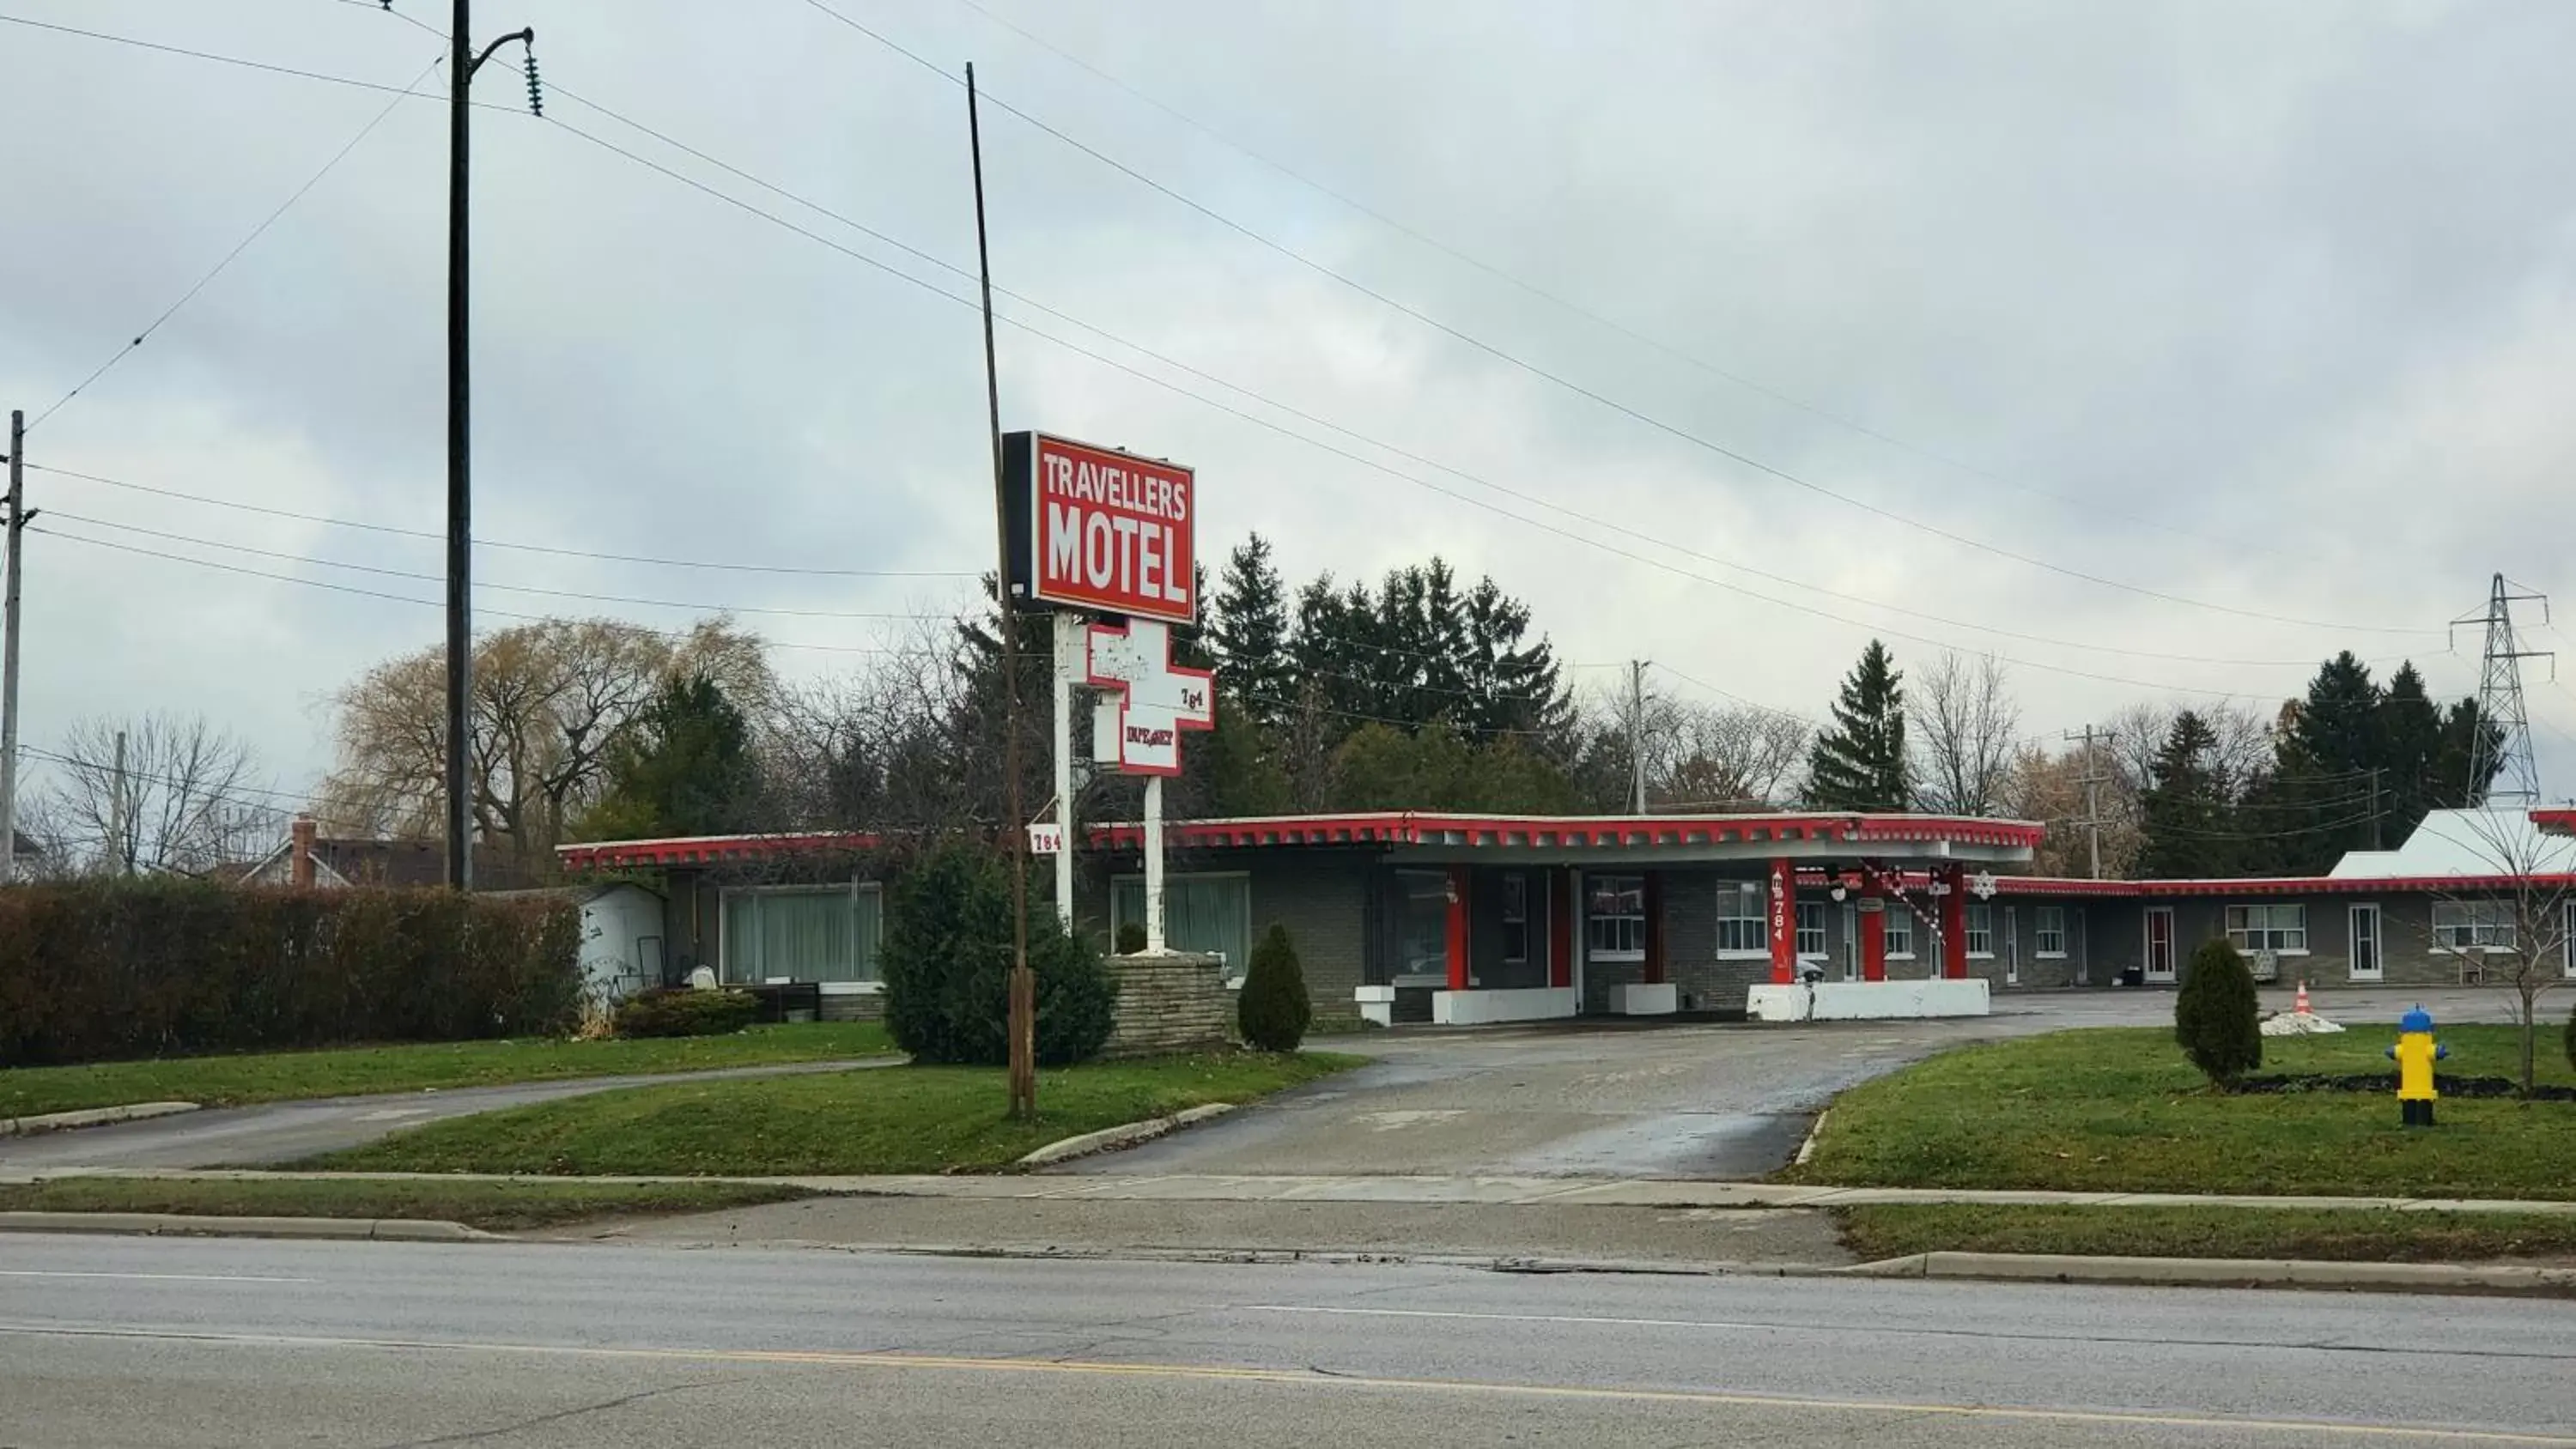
(1713, 1101)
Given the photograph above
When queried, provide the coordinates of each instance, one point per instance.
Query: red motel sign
(1100, 530)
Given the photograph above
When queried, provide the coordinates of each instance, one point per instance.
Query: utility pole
(463, 62)
(2377, 836)
(2092, 783)
(1637, 736)
(1023, 1019)
(17, 523)
(119, 817)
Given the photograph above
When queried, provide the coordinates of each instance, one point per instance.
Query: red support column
(1954, 922)
(1654, 907)
(1560, 928)
(1459, 894)
(1784, 923)
(1873, 934)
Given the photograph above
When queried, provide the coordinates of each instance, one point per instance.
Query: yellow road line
(1302, 1378)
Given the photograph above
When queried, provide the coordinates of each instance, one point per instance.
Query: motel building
(1466, 919)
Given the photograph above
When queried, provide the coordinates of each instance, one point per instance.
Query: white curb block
(1110, 1139)
(383, 1230)
(90, 1117)
(2227, 1273)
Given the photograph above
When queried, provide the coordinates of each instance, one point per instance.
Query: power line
(2092, 509)
(231, 504)
(312, 75)
(244, 245)
(1602, 399)
(1368, 462)
(706, 608)
(205, 563)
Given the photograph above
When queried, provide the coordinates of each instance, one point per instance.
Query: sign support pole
(1072, 644)
(1154, 864)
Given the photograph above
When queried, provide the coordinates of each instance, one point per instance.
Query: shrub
(946, 957)
(686, 1011)
(2216, 1015)
(106, 969)
(1273, 1010)
(1131, 938)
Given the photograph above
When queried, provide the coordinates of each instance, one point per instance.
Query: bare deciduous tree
(1966, 725)
(2514, 937)
(181, 795)
(550, 699)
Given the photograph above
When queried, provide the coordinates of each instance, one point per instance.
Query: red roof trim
(2555, 822)
(2029, 885)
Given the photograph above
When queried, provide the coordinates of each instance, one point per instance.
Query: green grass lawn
(908, 1119)
(280, 1076)
(2367, 1236)
(2120, 1110)
(496, 1206)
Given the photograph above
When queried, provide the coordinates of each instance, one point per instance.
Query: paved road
(1618, 1100)
(281, 1132)
(187, 1344)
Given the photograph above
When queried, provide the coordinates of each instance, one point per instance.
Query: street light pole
(463, 62)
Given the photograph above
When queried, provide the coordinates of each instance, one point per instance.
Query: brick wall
(1690, 946)
(1169, 1003)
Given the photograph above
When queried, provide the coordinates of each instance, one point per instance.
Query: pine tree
(2185, 815)
(1861, 763)
(2318, 806)
(685, 768)
(1249, 635)
(2409, 755)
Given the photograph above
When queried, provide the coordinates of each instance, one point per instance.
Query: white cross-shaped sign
(1141, 727)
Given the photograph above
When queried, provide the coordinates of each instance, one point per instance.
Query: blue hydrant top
(2416, 1019)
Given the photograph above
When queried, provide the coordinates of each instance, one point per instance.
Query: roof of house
(345, 862)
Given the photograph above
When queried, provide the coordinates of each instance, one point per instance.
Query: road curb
(1111, 1139)
(2228, 1273)
(90, 1117)
(383, 1230)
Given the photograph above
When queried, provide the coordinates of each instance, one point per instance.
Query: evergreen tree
(1249, 635)
(2185, 815)
(2217, 1015)
(685, 768)
(2458, 783)
(2319, 805)
(1861, 763)
(2409, 755)
(1234, 769)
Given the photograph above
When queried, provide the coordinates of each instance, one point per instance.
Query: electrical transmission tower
(2500, 755)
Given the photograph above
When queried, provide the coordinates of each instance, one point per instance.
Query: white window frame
(2504, 922)
(2238, 920)
(2041, 930)
(1591, 952)
(1898, 914)
(1976, 912)
(1515, 880)
(2567, 940)
(1755, 900)
(1800, 932)
(725, 897)
(2378, 941)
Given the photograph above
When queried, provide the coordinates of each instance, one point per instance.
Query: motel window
(1515, 917)
(1900, 931)
(1811, 930)
(2268, 928)
(2473, 925)
(801, 933)
(1741, 930)
(1205, 913)
(1615, 918)
(1981, 929)
(2048, 931)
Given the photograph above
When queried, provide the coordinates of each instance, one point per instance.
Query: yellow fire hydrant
(2415, 1054)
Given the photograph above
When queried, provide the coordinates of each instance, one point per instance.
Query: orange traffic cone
(2302, 1007)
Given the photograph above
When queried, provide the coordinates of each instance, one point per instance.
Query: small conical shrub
(1131, 938)
(2217, 1018)
(1273, 1010)
(2571, 1037)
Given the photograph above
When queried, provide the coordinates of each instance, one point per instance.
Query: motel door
(2365, 943)
(2160, 943)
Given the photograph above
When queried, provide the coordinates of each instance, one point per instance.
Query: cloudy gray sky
(2043, 311)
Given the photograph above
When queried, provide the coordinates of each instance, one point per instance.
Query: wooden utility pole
(1637, 736)
(1024, 988)
(17, 525)
(2092, 782)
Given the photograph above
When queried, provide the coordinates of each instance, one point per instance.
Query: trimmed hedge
(101, 970)
(1273, 1010)
(2217, 1016)
(686, 1011)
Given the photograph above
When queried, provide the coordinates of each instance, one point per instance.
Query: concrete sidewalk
(1553, 1192)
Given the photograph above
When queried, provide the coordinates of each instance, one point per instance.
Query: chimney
(299, 854)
